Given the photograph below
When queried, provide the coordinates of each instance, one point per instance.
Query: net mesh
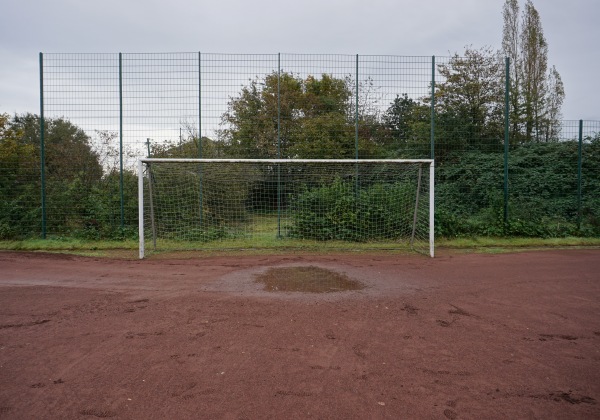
(226, 204)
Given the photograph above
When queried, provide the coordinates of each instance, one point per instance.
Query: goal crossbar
(421, 162)
(228, 160)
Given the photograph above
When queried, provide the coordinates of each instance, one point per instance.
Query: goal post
(278, 203)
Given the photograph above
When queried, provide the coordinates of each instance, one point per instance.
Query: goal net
(285, 203)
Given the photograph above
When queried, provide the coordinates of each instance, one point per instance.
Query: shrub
(340, 211)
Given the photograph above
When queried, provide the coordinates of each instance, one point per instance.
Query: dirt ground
(459, 336)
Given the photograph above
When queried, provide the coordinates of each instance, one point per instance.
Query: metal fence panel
(101, 112)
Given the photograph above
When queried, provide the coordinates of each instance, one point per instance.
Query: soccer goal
(187, 204)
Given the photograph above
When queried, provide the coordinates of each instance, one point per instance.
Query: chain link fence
(70, 171)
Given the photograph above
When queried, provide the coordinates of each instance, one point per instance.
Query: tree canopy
(470, 101)
(286, 116)
(72, 168)
(537, 92)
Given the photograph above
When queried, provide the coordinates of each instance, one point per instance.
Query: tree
(536, 93)
(188, 148)
(19, 185)
(556, 96)
(73, 170)
(17, 157)
(511, 43)
(325, 127)
(68, 149)
(534, 52)
(406, 128)
(311, 118)
(251, 119)
(398, 116)
(469, 101)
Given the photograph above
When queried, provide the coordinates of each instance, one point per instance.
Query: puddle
(307, 279)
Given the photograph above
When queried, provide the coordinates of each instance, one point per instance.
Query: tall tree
(511, 47)
(469, 101)
(73, 170)
(534, 53)
(556, 95)
(312, 118)
(69, 152)
(406, 128)
(250, 122)
(536, 93)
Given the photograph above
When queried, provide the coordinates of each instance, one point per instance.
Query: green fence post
(579, 178)
(356, 155)
(199, 105)
(42, 148)
(201, 192)
(278, 105)
(356, 115)
(121, 140)
(432, 123)
(278, 145)
(506, 135)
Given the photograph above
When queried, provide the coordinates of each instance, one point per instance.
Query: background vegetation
(285, 115)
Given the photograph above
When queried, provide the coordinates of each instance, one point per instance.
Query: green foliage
(68, 149)
(199, 193)
(314, 118)
(470, 103)
(99, 215)
(536, 91)
(406, 129)
(81, 201)
(341, 212)
(542, 192)
(223, 205)
(19, 183)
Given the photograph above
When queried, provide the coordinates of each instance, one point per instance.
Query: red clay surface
(459, 336)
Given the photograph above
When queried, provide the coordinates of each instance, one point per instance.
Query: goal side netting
(188, 204)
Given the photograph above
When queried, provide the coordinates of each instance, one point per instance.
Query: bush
(341, 212)
(542, 192)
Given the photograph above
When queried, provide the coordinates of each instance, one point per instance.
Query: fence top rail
(213, 53)
(191, 160)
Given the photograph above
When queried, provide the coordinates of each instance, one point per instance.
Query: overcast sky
(396, 27)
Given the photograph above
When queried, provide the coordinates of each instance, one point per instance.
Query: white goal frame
(141, 162)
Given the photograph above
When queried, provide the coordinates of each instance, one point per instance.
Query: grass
(264, 240)
(269, 245)
(125, 248)
(486, 245)
(260, 236)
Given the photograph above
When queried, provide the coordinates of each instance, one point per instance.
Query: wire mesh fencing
(70, 171)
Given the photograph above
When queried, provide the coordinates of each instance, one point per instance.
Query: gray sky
(397, 27)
